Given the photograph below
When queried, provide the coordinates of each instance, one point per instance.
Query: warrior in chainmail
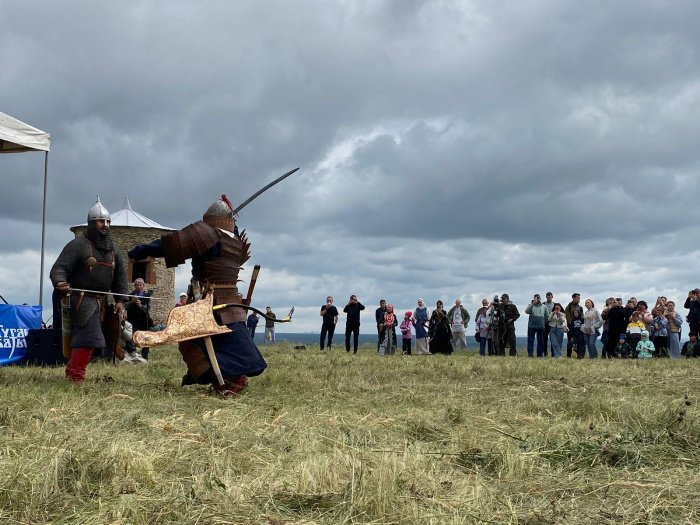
(89, 262)
(217, 251)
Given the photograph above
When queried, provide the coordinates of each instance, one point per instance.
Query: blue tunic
(421, 317)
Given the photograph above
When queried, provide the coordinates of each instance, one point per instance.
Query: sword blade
(263, 189)
(120, 294)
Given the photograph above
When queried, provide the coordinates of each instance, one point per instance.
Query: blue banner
(15, 323)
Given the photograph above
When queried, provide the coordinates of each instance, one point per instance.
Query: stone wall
(127, 237)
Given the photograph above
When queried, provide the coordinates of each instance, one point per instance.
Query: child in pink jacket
(406, 326)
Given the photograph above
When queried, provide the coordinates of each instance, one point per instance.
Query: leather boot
(79, 359)
(232, 386)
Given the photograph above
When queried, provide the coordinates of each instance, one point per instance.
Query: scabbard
(112, 329)
(213, 360)
(66, 333)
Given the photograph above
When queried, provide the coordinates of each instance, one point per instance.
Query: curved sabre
(263, 189)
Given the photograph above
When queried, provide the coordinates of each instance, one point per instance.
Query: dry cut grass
(339, 438)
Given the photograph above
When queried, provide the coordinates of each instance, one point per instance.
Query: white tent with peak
(18, 137)
(128, 217)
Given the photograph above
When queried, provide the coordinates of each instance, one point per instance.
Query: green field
(338, 438)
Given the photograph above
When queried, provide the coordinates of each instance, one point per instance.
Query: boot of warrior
(79, 359)
(199, 371)
(232, 386)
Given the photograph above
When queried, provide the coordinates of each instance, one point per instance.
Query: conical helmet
(219, 215)
(98, 211)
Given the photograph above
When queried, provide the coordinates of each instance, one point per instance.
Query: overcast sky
(447, 148)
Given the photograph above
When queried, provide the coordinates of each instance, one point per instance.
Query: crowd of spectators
(626, 330)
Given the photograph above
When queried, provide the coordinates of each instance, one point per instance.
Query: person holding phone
(510, 314)
(330, 319)
(138, 310)
(352, 322)
(557, 327)
(617, 320)
(537, 319)
(692, 304)
(674, 329)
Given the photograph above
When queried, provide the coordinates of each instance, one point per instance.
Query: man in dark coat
(617, 319)
(379, 317)
(511, 315)
(692, 304)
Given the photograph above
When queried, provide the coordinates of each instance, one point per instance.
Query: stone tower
(130, 228)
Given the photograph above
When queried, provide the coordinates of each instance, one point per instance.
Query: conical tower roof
(132, 219)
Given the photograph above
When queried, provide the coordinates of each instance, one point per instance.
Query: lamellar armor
(217, 252)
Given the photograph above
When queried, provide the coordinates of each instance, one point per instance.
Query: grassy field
(338, 438)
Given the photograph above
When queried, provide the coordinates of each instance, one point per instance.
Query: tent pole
(43, 231)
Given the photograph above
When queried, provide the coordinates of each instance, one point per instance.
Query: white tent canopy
(17, 137)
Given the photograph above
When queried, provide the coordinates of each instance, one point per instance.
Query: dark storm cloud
(447, 148)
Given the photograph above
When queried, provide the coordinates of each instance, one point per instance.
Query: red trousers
(79, 359)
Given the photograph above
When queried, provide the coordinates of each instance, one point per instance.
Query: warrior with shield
(227, 358)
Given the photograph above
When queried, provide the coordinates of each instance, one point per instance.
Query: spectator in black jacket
(138, 310)
(692, 304)
(379, 317)
(511, 315)
(352, 322)
(575, 304)
(623, 350)
(576, 335)
(329, 313)
(617, 319)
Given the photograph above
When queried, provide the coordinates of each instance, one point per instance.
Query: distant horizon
(312, 338)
